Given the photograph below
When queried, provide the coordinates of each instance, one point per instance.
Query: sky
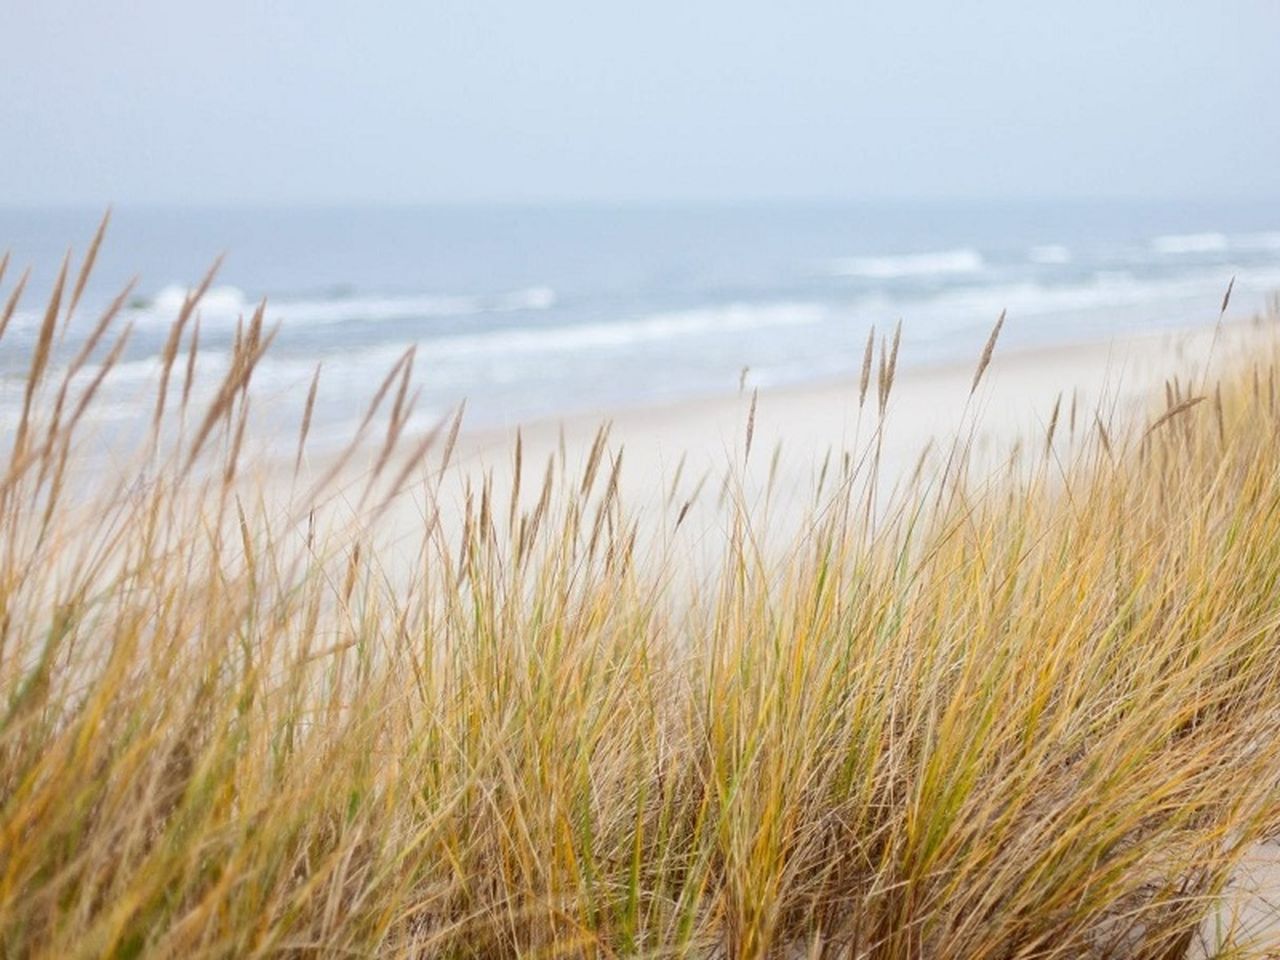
(427, 101)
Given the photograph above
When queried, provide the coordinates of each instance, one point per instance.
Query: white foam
(1201, 290)
(534, 298)
(222, 301)
(353, 368)
(1257, 241)
(962, 260)
(733, 317)
(1050, 253)
(374, 309)
(1190, 243)
(520, 352)
(1261, 242)
(223, 306)
(220, 306)
(145, 371)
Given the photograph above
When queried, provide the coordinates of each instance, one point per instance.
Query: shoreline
(927, 403)
(695, 452)
(489, 433)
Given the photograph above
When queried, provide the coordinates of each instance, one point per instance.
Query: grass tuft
(1024, 714)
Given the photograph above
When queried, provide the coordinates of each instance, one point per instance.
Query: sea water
(531, 312)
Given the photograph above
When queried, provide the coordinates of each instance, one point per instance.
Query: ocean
(538, 311)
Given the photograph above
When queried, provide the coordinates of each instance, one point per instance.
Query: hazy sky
(459, 100)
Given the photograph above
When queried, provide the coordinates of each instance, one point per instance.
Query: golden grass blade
(40, 357)
(401, 407)
(1217, 330)
(236, 380)
(893, 359)
(981, 713)
(15, 296)
(99, 330)
(517, 471)
(307, 410)
(882, 378)
(84, 353)
(90, 259)
(108, 364)
(1174, 411)
(865, 377)
(451, 440)
(1053, 426)
(193, 350)
(344, 458)
(593, 459)
(416, 458)
(170, 352)
(985, 360)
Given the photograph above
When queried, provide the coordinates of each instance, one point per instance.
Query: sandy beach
(416, 556)
(1117, 379)
(703, 481)
(695, 445)
(688, 452)
(695, 482)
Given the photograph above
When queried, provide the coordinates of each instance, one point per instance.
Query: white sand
(1014, 401)
(1119, 381)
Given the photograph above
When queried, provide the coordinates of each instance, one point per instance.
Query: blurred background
(570, 207)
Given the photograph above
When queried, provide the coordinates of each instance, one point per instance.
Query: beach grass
(1014, 709)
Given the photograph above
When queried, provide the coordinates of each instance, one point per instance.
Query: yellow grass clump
(1028, 712)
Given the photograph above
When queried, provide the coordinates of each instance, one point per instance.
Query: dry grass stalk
(999, 722)
(1176, 409)
(865, 377)
(40, 358)
(307, 410)
(170, 352)
(1053, 426)
(15, 296)
(86, 268)
(985, 359)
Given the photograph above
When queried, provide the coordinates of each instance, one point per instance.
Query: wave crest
(1190, 243)
(224, 305)
(962, 260)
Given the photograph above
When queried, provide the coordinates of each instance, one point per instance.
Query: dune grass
(1019, 712)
